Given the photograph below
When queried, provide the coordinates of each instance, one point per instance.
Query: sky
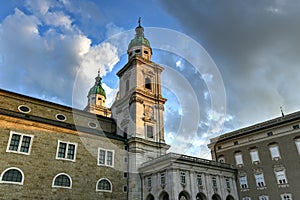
(228, 64)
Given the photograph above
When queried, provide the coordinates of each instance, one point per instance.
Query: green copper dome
(97, 88)
(139, 38)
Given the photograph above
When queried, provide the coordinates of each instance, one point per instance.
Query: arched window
(104, 185)
(12, 175)
(150, 197)
(62, 180)
(148, 83)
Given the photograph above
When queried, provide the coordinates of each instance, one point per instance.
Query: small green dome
(139, 41)
(97, 88)
(139, 38)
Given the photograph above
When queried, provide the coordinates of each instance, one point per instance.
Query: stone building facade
(267, 156)
(50, 151)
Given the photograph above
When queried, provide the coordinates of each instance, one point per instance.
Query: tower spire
(139, 21)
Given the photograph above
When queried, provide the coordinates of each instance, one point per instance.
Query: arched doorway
(150, 197)
(201, 196)
(229, 197)
(216, 197)
(184, 196)
(164, 196)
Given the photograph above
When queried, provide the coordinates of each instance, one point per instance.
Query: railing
(187, 158)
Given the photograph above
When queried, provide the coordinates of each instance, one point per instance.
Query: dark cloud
(255, 45)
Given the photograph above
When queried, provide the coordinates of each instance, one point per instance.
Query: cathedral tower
(138, 108)
(96, 99)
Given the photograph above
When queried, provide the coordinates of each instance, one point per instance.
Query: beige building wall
(283, 134)
(42, 165)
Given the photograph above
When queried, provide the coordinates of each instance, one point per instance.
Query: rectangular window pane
(274, 152)
(149, 131)
(71, 151)
(25, 144)
(254, 156)
(109, 160)
(243, 182)
(199, 179)
(214, 181)
(260, 182)
(149, 182)
(14, 142)
(239, 159)
(162, 179)
(102, 157)
(182, 177)
(62, 150)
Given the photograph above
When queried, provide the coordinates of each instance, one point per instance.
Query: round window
(24, 109)
(92, 125)
(60, 117)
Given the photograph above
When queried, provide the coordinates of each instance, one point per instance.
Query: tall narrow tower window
(148, 83)
(149, 131)
(127, 86)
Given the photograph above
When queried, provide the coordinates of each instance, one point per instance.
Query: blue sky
(228, 64)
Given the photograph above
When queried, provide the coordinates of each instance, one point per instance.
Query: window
(24, 109)
(106, 157)
(149, 131)
(149, 182)
(239, 158)
(243, 182)
(13, 176)
(254, 155)
(125, 175)
(148, 83)
(60, 117)
(270, 133)
(19, 143)
(263, 197)
(227, 183)
(274, 150)
(127, 86)
(280, 176)
(260, 181)
(125, 188)
(297, 142)
(163, 179)
(104, 185)
(66, 150)
(62, 180)
(199, 179)
(235, 142)
(221, 159)
(214, 181)
(296, 126)
(182, 177)
(286, 197)
(246, 198)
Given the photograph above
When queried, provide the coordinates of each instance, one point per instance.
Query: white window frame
(105, 157)
(263, 197)
(280, 175)
(111, 186)
(199, 179)
(246, 198)
(149, 181)
(11, 182)
(254, 155)
(67, 149)
(297, 143)
(259, 178)
(58, 186)
(239, 158)
(274, 151)
(20, 143)
(243, 181)
(163, 178)
(183, 177)
(286, 194)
